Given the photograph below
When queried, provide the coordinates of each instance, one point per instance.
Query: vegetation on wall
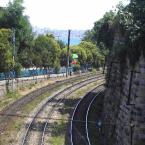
(126, 27)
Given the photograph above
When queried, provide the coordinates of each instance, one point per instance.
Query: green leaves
(6, 58)
(123, 33)
(12, 17)
(87, 53)
(132, 19)
(47, 51)
(103, 31)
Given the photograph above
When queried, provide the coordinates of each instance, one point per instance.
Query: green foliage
(47, 51)
(103, 31)
(94, 71)
(2, 10)
(12, 17)
(102, 35)
(17, 69)
(57, 140)
(63, 57)
(89, 36)
(131, 26)
(76, 67)
(82, 56)
(93, 53)
(61, 44)
(13, 94)
(122, 33)
(87, 53)
(6, 58)
(26, 58)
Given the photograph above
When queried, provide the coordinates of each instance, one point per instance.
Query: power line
(67, 120)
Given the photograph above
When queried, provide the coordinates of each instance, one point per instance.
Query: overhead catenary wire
(62, 119)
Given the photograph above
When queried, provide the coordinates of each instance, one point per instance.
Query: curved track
(89, 126)
(79, 122)
(7, 113)
(49, 106)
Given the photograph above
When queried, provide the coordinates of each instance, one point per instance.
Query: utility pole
(68, 48)
(14, 40)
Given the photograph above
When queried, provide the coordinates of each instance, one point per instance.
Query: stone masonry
(124, 105)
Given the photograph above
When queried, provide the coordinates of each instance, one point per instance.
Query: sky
(66, 14)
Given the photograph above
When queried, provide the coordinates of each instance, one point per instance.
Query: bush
(76, 67)
(17, 69)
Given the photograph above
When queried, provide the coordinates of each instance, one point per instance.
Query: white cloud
(64, 14)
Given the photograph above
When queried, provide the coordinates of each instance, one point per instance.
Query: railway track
(7, 113)
(31, 137)
(79, 132)
(93, 116)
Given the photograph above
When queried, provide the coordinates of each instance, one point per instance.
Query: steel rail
(44, 130)
(17, 105)
(87, 132)
(49, 100)
(75, 110)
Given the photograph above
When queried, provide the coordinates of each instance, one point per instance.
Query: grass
(58, 140)
(22, 90)
(28, 86)
(28, 107)
(9, 136)
(59, 127)
(11, 96)
(15, 125)
(59, 131)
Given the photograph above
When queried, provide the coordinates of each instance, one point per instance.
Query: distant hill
(76, 35)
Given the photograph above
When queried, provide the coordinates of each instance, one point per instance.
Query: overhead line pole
(14, 40)
(68, 49)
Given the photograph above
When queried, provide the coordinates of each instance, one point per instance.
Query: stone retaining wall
(124, 117)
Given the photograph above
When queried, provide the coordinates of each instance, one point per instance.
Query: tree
(47, 50)
(12, 15)
(102, 34)
(94, 57)
(61, 44)
(87, 53)
(130, 22)
(26, 58)
(104, 30)
(63, 57)
(12, 18)
(80, 51)
(89, 36)
(6, 57)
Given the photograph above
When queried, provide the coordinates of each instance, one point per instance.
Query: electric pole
(13, 39)
(68, 48)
